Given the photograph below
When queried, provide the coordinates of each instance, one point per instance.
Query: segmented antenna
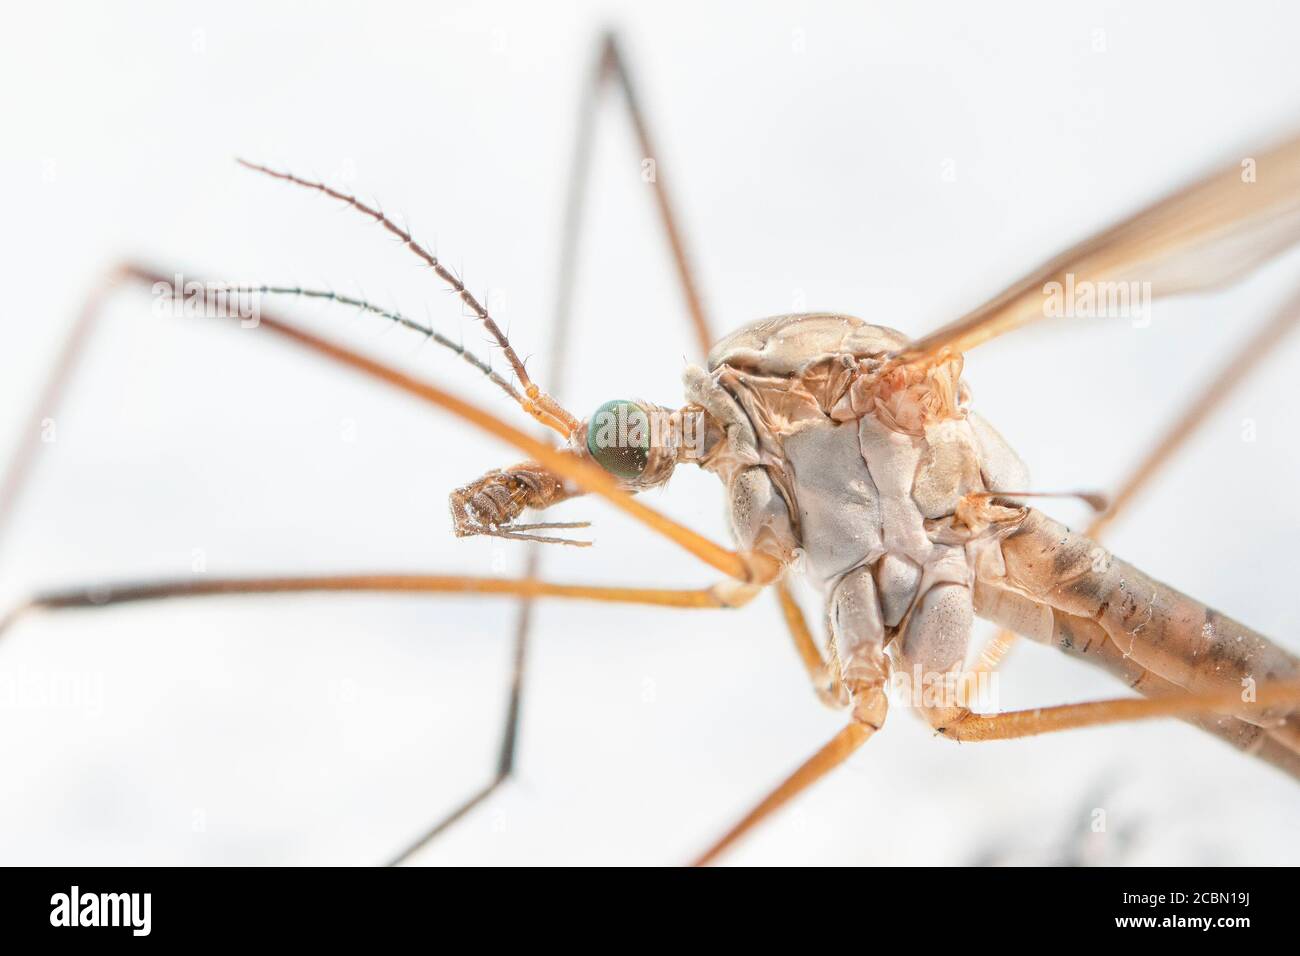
(535, 402)
(427, 331)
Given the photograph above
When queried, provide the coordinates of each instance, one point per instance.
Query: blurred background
(898, 162)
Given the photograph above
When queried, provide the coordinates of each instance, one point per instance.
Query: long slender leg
(1088, 641)
(1183, 428)
(821, 672)
(609, 63)
(612, 63)
(101, 595)
(529, 587)
(824, 675)
(1047, 720)
(837, 750)
(611, 66)
(1004, 726)
(944, 611)
(1237, 370)
(509, 739)
(65, 365)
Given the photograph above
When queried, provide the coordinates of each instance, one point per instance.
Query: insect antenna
(535, 402)
(392, 315)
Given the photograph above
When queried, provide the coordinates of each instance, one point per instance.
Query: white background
(805, 144)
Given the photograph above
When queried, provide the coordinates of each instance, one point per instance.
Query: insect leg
(1019, 723)
(612, 64)
(609, 67)
(723, 595)
(509, 738)
(1046, 720)
(823, 671)
(570, 236)
(100, 596)
(65, 365)
(856, 625)
(1088, 641)
(838, 749)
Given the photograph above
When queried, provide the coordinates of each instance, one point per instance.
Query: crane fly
(848, 454)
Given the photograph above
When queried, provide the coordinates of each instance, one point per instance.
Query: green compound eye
(618, 437)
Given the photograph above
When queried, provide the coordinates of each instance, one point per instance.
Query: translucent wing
(1208, 234)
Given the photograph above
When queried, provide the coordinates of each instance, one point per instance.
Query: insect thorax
(837, 458)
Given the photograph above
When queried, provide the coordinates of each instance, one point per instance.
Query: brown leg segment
(1046, 720)
(1020, 723)
(613, 64)
(562, 321)
(1088, 641)
(824, 674)
(65, 366)
(837, 750)
(97, 596)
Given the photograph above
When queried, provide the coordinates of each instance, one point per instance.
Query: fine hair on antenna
(428, 331)
(534, 401)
